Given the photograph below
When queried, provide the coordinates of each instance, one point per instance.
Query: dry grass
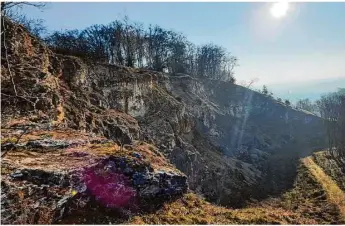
(154, 156)
(306, 203)
(61, 159)
(11, 135)
(311, 201)
(191, 209)
(334, 194)
(9, 140)
(330, 167)
(104, 149)
(307, 199)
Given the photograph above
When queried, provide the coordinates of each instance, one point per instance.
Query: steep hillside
(210, 130)
(63, 176)
(153, 136)
(312, 200)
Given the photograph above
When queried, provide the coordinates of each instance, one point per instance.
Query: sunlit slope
(315, 199)
(335, 195)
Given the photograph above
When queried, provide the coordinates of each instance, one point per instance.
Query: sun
(279, 9)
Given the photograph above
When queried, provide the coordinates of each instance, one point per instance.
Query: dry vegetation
(334, 194)
(315, 199)
(192, 209)
(331, 167)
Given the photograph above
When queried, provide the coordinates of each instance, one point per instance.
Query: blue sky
(300, 55)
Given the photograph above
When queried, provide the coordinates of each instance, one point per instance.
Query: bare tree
(127, 43)
(332, 108)
(250, 82)
(10, 9)
(305, 104)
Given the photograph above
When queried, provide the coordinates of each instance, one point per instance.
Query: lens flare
(279, 9)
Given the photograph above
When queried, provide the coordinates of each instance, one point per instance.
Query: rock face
(65, 179)
(217, 133)
(206, 126)
(234, 117)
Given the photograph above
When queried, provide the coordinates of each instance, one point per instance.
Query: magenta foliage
(112, 189)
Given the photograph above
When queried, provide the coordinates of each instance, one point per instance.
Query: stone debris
(120, 183)
(48, 144)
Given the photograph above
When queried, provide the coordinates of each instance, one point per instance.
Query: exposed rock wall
(219, 134)
(237, 118)
(178, 113)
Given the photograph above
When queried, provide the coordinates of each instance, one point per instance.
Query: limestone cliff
(218, 134)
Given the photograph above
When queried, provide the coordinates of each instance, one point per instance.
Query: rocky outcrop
(48, 180)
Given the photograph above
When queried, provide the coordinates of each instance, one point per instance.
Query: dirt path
(334, 194)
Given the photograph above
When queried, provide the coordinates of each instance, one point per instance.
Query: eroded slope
(219, 134)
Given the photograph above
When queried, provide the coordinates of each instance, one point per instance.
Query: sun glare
(279, 9)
